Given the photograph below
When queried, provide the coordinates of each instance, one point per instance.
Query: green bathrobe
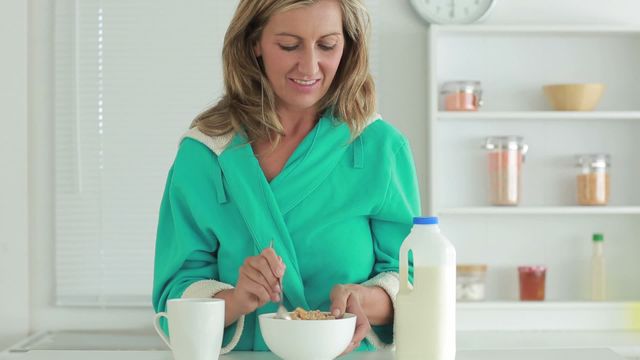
(337, 214)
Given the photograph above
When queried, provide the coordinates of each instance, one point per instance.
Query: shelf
(542, 210)
(549, 315)
(539, 115)
(549, 305)
(541, 29)
(625, 343)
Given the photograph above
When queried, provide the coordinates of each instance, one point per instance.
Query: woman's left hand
(350, 299)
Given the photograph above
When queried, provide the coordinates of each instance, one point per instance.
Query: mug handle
(156, 324)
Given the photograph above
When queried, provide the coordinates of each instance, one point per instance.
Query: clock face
(452, 11)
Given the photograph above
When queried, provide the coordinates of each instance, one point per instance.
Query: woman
(293, 156)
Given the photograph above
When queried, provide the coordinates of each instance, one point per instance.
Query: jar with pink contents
(461, 96)
(505, 159)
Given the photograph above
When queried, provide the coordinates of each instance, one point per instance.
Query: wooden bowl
(574, 97)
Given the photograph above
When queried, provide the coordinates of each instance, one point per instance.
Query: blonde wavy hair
(248, 103)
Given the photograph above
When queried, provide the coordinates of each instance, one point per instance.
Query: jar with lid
(532, 282)
(505, 159)
(470, 282)
(461, 95)
(593, 180)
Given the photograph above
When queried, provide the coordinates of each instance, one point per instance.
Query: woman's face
(301, 50)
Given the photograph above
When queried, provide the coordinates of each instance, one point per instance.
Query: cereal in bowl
(301, 314)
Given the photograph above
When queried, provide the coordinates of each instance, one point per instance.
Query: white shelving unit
(543, 210)
(547, 227)
(540, 115)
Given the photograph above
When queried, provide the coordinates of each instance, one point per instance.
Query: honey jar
(593, 179)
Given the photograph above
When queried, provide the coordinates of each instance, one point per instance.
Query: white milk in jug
(425, 324)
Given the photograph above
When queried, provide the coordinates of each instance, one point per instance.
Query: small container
(461, 95)
(470, 282)
(532, 282)
(593, 180)
(505, 159)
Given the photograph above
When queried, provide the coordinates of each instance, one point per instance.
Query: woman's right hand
(258, 281)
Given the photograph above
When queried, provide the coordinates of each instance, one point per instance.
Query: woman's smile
(305, 86)
(305, 82)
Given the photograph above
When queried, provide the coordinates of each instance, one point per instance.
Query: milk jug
(425, 317)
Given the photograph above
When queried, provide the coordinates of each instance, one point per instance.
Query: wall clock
(453, 11)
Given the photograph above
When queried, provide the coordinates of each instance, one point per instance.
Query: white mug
(196, 327)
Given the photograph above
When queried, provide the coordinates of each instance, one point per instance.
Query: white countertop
(476, 345)
(515, 354)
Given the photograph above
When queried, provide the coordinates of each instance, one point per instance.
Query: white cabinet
(547, 227)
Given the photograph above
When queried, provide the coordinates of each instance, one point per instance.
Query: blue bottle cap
(426, 220)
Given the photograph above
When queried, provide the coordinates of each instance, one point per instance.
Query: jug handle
(404, 270)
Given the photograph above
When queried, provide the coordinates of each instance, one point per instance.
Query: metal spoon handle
(282, 312)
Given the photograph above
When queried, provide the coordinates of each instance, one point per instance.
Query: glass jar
(532, 282)
(470, 284)
(593, 179)
(461, 95)
(505, 159)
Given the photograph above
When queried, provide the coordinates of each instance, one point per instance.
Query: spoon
(282, 312)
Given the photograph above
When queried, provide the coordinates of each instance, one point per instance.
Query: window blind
(129, 77)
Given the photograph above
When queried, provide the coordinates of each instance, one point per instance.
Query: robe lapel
(263, 205)
(249, 189)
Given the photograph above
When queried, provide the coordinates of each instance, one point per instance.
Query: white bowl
(307, 339)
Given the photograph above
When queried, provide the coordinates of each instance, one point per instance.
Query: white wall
(14, 275)
(401, 84)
